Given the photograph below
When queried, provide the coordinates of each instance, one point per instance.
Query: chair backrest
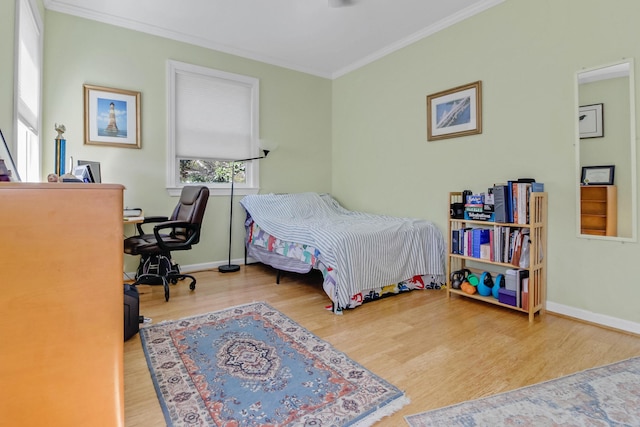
(191, 207)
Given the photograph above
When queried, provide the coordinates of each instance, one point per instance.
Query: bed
(362, 256)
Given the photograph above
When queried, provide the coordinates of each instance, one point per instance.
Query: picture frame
(597, 175)
(455, 112)
(591, 121)
(111, 117)
(8, 170)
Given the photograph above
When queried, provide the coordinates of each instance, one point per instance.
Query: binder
(500, 203)
(455, 241)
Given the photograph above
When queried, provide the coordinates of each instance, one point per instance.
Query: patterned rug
(604, 396)
(253, 366)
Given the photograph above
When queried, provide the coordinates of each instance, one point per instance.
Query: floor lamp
(230, 268)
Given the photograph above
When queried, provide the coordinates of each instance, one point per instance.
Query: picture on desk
(83, 173)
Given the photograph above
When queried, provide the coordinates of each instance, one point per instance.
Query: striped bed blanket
(365, 250)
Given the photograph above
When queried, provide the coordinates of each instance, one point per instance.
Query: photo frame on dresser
(597, 175)
(8, 170)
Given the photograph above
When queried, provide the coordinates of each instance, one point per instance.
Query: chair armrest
(193, 231)
(150, 220)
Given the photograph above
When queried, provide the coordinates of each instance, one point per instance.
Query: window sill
(217, 191)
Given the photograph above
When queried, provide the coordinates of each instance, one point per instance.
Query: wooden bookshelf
(599, 210)
(537, 228)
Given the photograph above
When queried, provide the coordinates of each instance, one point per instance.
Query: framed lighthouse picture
(111, 117)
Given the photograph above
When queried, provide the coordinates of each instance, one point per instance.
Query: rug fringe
(386, 410)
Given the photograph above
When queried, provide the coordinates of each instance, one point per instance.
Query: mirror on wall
(606, 152)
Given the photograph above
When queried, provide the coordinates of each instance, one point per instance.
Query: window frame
(28, 158)
(174, 187)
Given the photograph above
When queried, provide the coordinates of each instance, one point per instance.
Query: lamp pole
(230, 268)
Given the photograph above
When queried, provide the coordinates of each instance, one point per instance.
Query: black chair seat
(179, 232)
(147, 244)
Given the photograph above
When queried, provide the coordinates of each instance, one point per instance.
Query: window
(28, 90)
(213, 120)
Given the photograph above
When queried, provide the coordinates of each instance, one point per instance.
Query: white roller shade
(213, 117)
(28, 68)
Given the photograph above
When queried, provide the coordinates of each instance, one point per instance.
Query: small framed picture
(597, 175)
(111, 117)
(591, 122)
(455, 112)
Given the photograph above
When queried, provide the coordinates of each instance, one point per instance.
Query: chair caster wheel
(192, 286)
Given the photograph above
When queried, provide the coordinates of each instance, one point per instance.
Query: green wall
(7, 8)
(295, 113)
(363, 136)
(526, 53)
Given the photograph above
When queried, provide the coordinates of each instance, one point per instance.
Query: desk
(62, 332)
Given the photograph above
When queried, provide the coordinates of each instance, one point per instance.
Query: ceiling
(304, 35)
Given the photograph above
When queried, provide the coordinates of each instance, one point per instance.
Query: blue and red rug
(253, 366)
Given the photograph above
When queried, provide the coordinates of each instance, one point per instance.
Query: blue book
(537, 187)
(510, 201)
(479, 237)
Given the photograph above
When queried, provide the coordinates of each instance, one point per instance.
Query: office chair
(179, 232)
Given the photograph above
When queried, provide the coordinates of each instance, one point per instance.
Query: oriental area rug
(253, 366)
(603, 396)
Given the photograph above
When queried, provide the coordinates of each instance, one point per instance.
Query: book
(480, 236)
(525, 252)
(130, 212)
(520, 276)
(537, 187)
(525, 293)
(500, 203)
(455, 236)
(510, 201)
(517, 248)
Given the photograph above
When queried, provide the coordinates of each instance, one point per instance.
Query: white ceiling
(303, 35)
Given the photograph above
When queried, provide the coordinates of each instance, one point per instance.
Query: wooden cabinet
(61, 305)
(537, 270)
(599, 210)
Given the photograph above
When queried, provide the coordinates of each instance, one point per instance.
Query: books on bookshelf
(511, 200)
(503, 244)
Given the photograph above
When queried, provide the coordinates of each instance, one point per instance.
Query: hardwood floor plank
(439, 351)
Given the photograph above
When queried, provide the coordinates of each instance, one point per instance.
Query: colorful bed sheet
(365, 251)
(258, 238)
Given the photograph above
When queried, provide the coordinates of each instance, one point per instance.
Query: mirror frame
(632, 143)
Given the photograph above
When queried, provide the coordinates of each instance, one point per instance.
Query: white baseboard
(191, 268)
(588, 316)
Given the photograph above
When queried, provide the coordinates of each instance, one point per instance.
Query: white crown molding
(58, 6)
(424, 33)
(591, 317)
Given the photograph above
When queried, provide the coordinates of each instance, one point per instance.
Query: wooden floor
(439, 351)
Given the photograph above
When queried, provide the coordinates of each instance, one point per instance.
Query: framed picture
(8, 170)
(597, 175)
(590, 121)
(455, 112)
(111, 117)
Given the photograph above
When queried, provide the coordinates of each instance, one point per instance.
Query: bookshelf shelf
(536, 229)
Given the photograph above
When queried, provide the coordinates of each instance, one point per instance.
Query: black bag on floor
(131, 311)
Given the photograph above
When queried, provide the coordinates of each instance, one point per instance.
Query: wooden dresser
(61, 305)
(599, 210)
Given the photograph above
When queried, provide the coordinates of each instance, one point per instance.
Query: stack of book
(511, 200)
